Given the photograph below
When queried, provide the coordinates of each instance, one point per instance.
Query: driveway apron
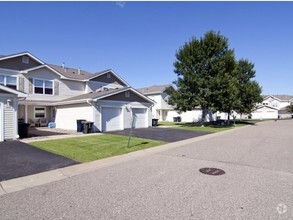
(18, 159)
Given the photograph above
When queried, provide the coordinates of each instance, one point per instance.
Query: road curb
(21, 183)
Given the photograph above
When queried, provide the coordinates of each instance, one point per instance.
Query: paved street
(257, 184)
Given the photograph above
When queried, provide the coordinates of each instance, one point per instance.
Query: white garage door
(141, 117)
(111, 119)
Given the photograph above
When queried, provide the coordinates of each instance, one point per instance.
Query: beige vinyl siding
(62, 89)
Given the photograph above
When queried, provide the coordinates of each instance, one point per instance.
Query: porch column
(161, 115)
(25, 113)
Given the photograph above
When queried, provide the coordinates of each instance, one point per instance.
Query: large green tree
(249, 90)
(206, 74)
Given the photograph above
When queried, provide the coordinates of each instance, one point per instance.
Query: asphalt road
(161, 134)
(258, 183)
(19, 159)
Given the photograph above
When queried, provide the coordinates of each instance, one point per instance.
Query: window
(127, 94)
(40, 112)
(108, 75)
(43, 87)
(9, 81)
(25, 59)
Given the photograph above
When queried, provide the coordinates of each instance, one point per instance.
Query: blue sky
(138, 40)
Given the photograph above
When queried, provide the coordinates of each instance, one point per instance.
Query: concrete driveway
(18, 159)
(161, 134)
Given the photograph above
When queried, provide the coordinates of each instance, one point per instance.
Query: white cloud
(121, 4)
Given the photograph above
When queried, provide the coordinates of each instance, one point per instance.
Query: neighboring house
(280, 102)
(9, 98)
(264, 112)
(165, 112)
(272, 107)
(63, 95)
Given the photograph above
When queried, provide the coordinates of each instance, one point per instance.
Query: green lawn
(90, 148)
(208, 127)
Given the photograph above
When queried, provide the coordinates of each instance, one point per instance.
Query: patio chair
(43, 122)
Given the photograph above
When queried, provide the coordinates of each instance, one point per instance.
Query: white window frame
(43, 86)
(5, 79)
(39, 110)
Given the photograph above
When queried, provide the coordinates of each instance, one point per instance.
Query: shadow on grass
(219, 123)
(140, 144)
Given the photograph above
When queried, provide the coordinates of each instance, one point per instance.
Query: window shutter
(21, 84)
(56, 87)
(30, 86)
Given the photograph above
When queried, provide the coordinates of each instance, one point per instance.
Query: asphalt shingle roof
(71, 72)
(154, 89)
(92, 95)
(281, 97)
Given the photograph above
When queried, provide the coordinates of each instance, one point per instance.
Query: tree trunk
(229, 118)
(204, 115)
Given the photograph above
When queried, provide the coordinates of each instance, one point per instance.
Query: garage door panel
(141, 117)
(111, 119)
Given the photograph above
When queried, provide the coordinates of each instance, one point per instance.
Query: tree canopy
(209, 76)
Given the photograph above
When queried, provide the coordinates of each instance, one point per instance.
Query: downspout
(91, 102)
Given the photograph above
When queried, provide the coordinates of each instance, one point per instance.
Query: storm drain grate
(212, 171)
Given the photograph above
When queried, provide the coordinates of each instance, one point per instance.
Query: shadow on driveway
(18, 159)
(161, 134)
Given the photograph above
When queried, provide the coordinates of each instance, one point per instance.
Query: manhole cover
(212, 171)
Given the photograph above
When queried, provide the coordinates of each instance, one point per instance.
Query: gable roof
(65, 72)
(22, 54)
(279, 97)
(264, 106)
(98, 74)
(97, 95)
(154, 89)
(13, 91)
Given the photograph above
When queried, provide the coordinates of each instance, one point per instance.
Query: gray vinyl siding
(112, 80)
(17, 64)
(94, 85)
